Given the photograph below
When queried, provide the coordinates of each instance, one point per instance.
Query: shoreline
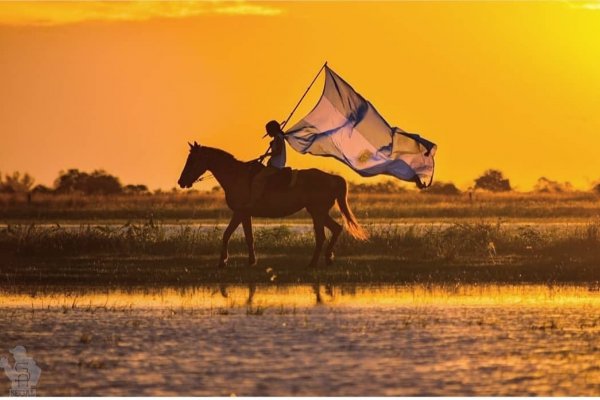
(157, 271)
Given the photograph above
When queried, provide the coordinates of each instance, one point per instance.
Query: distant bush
(494, 181)
(136, 189)
(545, 185)
(42, 189)
(380, 187)
(442, 188)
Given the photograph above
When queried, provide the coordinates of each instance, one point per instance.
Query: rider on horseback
(276, 162)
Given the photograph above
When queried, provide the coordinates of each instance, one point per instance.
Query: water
(310, 340)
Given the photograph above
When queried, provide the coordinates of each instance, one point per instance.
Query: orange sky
(123, 86)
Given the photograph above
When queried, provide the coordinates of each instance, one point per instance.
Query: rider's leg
(259, 183)
(258, 186)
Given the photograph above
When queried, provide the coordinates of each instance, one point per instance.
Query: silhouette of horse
(314, 190)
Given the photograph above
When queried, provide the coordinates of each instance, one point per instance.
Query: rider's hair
(273, 128)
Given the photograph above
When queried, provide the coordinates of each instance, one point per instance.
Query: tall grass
(451, 242)
(211, 206)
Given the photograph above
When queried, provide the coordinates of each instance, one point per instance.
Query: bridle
(204, 178)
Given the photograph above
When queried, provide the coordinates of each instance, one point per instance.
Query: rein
(204, 178)
(211, 176)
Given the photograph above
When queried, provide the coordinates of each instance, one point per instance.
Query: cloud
(588, 5)
(247, 9)
(60, 13)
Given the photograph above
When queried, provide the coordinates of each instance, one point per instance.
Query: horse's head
(195, 166)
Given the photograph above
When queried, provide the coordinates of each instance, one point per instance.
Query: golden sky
(124, 85)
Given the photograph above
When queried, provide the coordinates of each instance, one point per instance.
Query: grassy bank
(155, 254)
(16, 208)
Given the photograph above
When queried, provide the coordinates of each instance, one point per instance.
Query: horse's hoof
(252, 263)
(222, 264)
(329, 259)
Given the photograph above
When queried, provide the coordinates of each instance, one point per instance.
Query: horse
(314, 190)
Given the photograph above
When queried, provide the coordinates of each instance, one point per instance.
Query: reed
(183, 254)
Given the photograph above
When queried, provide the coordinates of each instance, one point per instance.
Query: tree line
(491, 180)
(99, 182)
(71, 181)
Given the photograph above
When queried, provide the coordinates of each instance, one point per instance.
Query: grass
(434, 242)
(152, 240)
(211, 206)
(153, 254)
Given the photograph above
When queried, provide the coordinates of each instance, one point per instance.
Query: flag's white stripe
(346, 126)
(349, 141)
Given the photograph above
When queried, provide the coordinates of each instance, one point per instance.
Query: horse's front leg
(319, 239)
(247, 224)
(233, 224)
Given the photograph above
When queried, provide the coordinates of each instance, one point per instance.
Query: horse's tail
(350, 221)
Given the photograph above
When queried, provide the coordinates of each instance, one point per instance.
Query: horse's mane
(219, 152)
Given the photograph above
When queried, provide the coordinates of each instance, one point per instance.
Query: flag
(346, 126)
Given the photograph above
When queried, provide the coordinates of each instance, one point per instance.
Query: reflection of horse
(314, 190)
(251, 292)
(316, 288)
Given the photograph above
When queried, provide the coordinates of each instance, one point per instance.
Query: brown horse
(314, 190)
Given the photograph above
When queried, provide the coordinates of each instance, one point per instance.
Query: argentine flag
(346, 126)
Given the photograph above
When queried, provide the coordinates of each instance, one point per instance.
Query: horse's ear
(191, 145)
(196, 144)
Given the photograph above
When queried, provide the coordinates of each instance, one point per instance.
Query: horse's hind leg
(319, 224)
(247, 224)
(233, 224)
(335, 229)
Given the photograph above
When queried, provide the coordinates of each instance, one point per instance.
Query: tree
(70, 181)
(98, 182)
(16, 183)
(493, 180)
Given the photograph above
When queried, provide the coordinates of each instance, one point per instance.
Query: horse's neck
(224, 167)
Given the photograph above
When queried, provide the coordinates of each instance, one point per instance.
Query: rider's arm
(266, 154)
(275, 148)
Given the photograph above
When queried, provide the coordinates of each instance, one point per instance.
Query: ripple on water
(310, 340)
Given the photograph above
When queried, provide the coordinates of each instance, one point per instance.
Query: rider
(277, 161)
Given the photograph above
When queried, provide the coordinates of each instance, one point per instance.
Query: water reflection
(309, 340)
(317, 294)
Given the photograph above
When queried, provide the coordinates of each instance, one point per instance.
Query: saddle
(283, 179)
(280, 180)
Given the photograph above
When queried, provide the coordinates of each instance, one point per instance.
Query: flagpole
(284, 123)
